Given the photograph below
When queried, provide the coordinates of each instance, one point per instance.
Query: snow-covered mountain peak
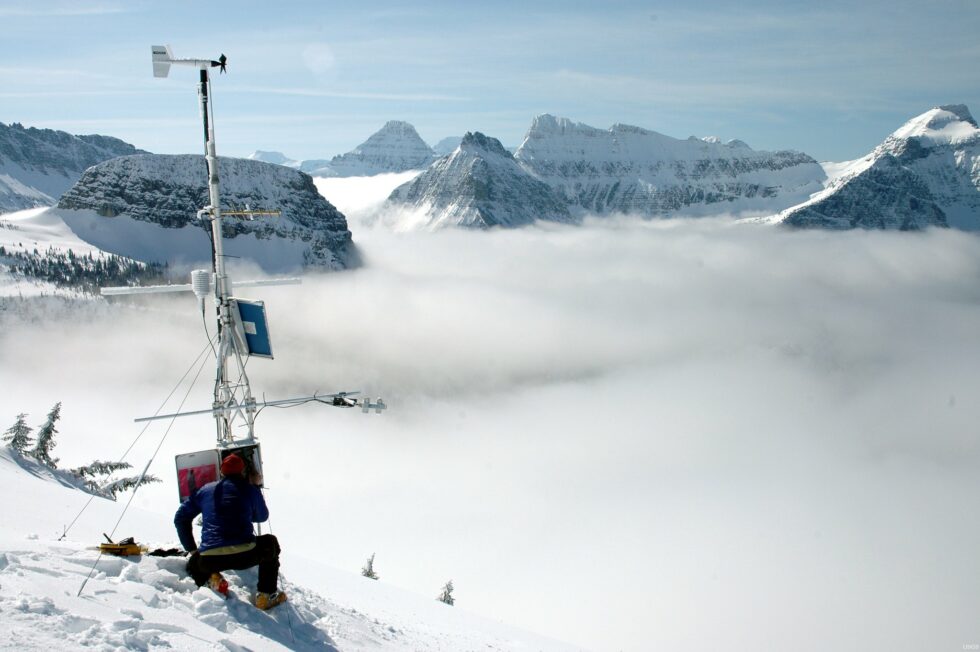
(480, 185)
(396, 147)
(395, 134)
(949, 124)
(926, 173)
(476, 142)
(397, 128)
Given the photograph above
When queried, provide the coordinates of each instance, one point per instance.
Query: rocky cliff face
(38, 165)
(396, 147)
(927, 173)
(628, 169)
(145, 207)
(479, 185)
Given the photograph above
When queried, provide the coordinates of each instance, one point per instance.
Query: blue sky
(313, 79)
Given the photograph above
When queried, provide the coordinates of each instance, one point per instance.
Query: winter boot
(268, 600)
(218, 583)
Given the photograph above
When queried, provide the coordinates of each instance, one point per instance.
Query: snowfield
(146, 602)
(41, 229)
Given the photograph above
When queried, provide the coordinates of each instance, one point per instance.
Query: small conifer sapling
(368, 569)
(447, 594)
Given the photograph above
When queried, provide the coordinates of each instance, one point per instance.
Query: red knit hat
(232, 465)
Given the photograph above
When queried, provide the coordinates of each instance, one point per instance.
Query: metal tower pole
(225, 389)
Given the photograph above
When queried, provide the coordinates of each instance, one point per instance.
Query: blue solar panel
(256, 327)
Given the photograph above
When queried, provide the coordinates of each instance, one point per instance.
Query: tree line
(85, 272)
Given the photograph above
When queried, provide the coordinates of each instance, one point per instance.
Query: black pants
(265, 554)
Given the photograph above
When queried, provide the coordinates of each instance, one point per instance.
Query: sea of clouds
(684, 435)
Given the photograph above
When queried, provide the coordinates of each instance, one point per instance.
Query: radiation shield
(251, 328)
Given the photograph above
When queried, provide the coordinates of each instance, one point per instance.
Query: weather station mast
(242, 327)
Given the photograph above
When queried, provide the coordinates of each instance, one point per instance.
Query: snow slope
(926, 173)
(44, 231)
(143, 603)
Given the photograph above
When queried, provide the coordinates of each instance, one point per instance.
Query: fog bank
(631, 435)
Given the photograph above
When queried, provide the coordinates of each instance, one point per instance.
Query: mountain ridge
(925, 173)
(396, 147)
(38, 165)
(630, 169)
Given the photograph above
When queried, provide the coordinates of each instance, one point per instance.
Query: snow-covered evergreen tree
(368, 570)
(45, 438)
(18, 436)
(112, 489)
(447, 594)
(99, 468)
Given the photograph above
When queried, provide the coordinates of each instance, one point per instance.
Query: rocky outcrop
(159, 195)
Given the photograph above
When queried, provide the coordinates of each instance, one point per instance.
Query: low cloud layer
(630, 435)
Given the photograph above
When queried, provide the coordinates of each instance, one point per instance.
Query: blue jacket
(229, 507)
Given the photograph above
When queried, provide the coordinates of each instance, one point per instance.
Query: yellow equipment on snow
(125, 548)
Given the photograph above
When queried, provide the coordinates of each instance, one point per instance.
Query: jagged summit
(480, 185)
(629, 169)
(477, 142)
(550, 137)
(926, 173)
(546, 123)
(396, 147)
